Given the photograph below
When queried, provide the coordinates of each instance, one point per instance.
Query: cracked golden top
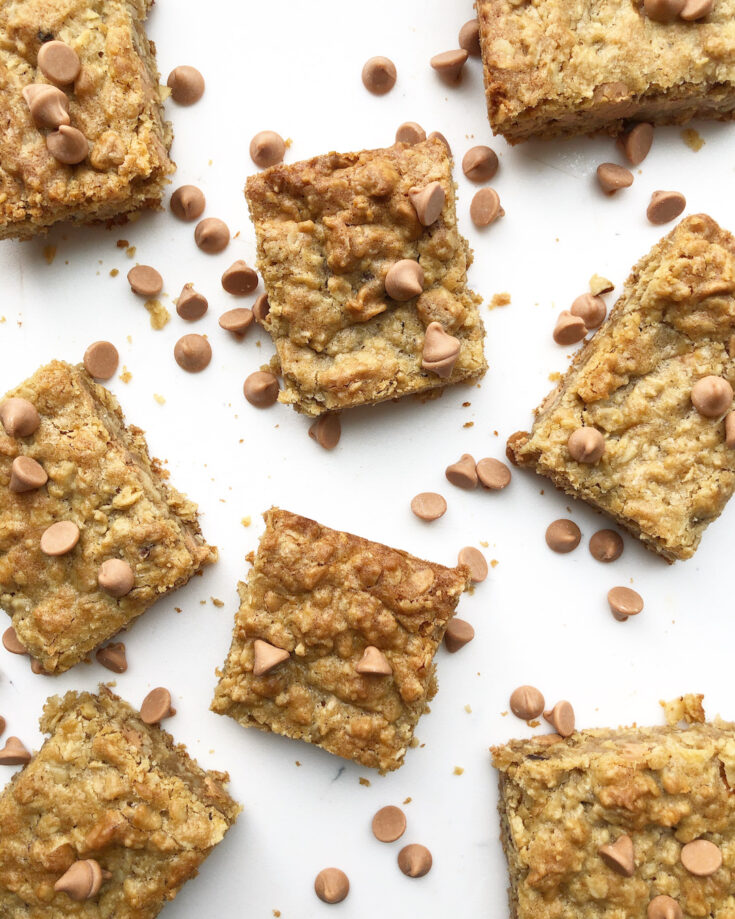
(115, 102)
(666, 471)
(323, 597)
(108, 787)
(328, 231)
(102, 479)
(557, 67)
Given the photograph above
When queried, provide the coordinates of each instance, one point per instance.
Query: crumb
(600, 285)
(413, 743)
(178, 609)
(408, 800)
(466, 404)
(122, 244)
(541, 492)
(503, 714)
(49, 253)
(494, 563)
(126, 376)
(217, 602)
(533, 724)
(468, 424)
(468, 709)
(3, 319)
(288, 142)
(554, 377)
(499, 300)
(364, 781)
(495, 433)
(114, 272)
(159, 398)
(692, 139)
(130, 251)
(277, 913)
(246, 521)
(484, 543)
(458, 770)
(159, 314)
(297, 762)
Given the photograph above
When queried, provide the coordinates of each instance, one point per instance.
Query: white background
(541, 618)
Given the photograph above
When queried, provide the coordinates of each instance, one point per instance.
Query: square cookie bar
(91, 534)
(114, 800)
(558, 67)
(620, 824)
(329, 231)
(637, 427)
(334, 640)
(113, 102)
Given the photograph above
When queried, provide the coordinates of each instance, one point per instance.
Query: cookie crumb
(468, 424)
(114, 272)
(246, 521)
(130, 251)
(468, 709)
(126, 376)
(159, 314)
(687, 708)
(217, 602)
(408, 800)
(499, 300)
(49, 253)
(458, 770)
(554, 377)
(364, 781)
(494, 563)
(693, 139)
(277, 913)
(122, 244)
(159, 398)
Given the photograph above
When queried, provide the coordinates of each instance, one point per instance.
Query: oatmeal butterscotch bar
(83, 132)
(560, 67)
(366, 276)
(620, 824)
(91, 534)
(334, 640)
(640, 426)
(109, 819)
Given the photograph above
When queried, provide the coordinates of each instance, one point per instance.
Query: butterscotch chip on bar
(666, 471)
(558, 68)
(329, 230)
(106, 492)
(324, 597)
(109, 793)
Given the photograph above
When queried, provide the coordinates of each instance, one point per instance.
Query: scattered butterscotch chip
(701, 857)
(188, 202)
(326, 430)
(475, 561)
(664, 907)
(712, 396)
(415, 860)
(526, 702)
(449, 64)
(379, 75)
(458, 634)
(463, 473)
(48, 105)
(156, 706)
(116, 577)
(26, 474)
(485, 207)
(440, 351)
(240, 279)
(493, 474)
(730, 430)
(663, 10)
(410, 132)
(186, 84)
(563, 536)
(636, 143)
(469, 37)
(82, 881)
(606, 545)
(191, 304)
(586, 445)
(237, 321)
(101, 360)
(389, 824)
(561, 718)
(624, 602)
(60, 538)
(267, 148)
(569, 329)
(14, 753)
(11, 642)
(480, 163)
(261, 389)
(58, 62)
(590, 309)
(665, 206)
(261, 308)
(428, 202)
(374, 662)
(266, 657)
(145, 281)
(428, 505)
(212, 235)
(67, 145)
(193, 353)
(331, 885)
(19, 417)
(619, 856)
(404, 280)
(113, 657)
(37, 668)
(612, 177)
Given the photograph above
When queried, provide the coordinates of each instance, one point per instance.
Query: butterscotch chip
(480, 163)
(186, 84)
(712, 396)
(526, 702)
(261, 389)
(14, 753)
(410, 132)
(463, 473)
(145, 281)
(613, 177)
(156, 706)
(664, 907)
(590, 309)
(636, 143)
(379, 75)
(619, 855)
(563, 536)
(606, 545)
(237, 321)
(267, 148)
(12, 643)
(60, 538)
(326, 430)
(561, 718)
(193, 353)
(101, 360)
(493, 474)
(730, 430)
(239, 279)
(82, 881)
(331, 885)
(665, 206)
(267, 657)
(113, 657)
(116, 577)
(458, 634)
(475, 561)
(67, 145)
(212, 235)
(261, 308)
(586, 445)
(701, 857)
(449, 64)
(624, 602)
(37, 668)
(485, 207)
(469, 37)
(415, 860)
(440, 351)
(188, 202)
(428, 505)
(389, 824)
(48, 105)
(428, 202)
(405, 280)
(191, 304)
(663, 10)
(373, 662)
(437, 135)
(696, 9)
(569, 329)
(19, 417)
(58, 62)
(26, 474)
